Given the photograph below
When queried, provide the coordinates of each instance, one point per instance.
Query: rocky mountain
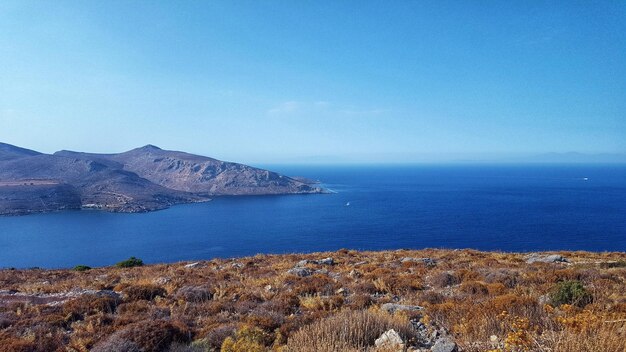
(142, 179)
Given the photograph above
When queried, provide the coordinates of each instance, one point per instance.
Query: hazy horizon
(311, 82)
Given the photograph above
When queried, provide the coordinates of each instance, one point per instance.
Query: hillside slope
(435, 300)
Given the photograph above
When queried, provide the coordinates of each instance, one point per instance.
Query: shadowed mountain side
(97, 185)
(142, 179)
(8, 152)
(36, 197)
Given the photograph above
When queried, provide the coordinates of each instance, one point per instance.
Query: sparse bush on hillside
(247, 339)
(82, 268)
(130, 263)
(570, 292)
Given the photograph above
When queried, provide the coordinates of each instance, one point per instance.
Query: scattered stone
(390, 339)
(193, 265)
(444, 344)
(326, 261)
(354, 274)
(237, 265)
(302, 263)
(268, 288)
(426, 261)
(301, 272)
(53, 299)
(161, 280)
(552, 258)
(394, 307)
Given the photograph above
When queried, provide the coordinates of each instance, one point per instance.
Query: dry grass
(347, 331)
(487, 301)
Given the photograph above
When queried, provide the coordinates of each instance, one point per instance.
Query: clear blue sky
(318, 81)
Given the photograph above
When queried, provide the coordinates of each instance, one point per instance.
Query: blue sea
(486, 207)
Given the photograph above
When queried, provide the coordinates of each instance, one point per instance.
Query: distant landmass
(139, 180)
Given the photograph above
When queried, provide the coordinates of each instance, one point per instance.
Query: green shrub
(130, 262)
(570, 292)
(82, 268)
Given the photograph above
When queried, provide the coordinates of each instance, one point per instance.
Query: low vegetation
(130, 263)
(483, 301)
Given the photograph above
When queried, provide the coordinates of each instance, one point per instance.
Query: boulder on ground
(390, 339)
(425, 261)
(552, 258)
(301, 272)
(324, 261)
(444, 344)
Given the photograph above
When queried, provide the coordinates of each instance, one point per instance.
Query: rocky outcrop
(552, 258)
(390, 340)
(444, 344)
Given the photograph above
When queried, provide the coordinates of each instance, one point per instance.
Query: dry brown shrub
(265, 320)
(509, 278)
(365, 287)
(14, 344)
(474, 288)
(215, 337)
(91, 304)
(316, 284)
(144, 292)
(148, 336)
(195, 294)
(346, 331)
(136, 308)
(431, 297)
(496, 289)
(468, 275)
(444, 279)
(359, 301)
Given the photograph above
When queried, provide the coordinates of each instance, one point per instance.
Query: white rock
(552, 258)
(444, 344)
(390, 339)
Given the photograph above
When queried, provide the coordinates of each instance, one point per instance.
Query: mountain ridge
(142, 179)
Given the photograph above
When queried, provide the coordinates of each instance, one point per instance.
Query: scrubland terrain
(433, 300)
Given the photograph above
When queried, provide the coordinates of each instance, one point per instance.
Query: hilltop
(433, 300)
(142, 179)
